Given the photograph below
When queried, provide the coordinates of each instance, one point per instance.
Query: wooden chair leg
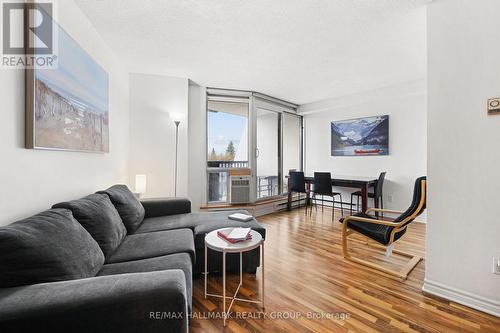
(402, 274)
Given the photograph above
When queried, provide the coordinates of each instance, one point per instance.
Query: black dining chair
(297, 184)
(385, 232)
(323, 186)
(376, 195)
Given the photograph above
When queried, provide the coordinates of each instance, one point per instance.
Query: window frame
(209, 170)
(254, 101)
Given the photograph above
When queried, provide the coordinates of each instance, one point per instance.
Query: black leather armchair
(386, 232)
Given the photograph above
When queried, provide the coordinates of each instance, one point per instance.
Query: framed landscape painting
(67, 107)
(360, 137)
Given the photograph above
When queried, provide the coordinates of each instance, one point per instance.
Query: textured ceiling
(297, 50)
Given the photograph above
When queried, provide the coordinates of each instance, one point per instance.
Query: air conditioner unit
(240, 189)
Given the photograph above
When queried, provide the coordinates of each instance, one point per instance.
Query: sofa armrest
(166, 206)
(138, 302)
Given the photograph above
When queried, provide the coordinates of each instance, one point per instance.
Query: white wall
(152, 133)
(464, 155)
(197, 146)
(406, 106)
(33, 180)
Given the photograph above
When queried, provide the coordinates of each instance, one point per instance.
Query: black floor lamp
(177, 121)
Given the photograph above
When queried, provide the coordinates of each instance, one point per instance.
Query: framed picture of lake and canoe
(360, 137)
(67, 106)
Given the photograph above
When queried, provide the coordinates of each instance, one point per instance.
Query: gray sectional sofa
(108, 263)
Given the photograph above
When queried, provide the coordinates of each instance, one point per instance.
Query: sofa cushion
(47, 247)
(155, 244)
(128, 206)
(166, 206)
(218, 220)
(170, 222)
(207, 221)
(99, 217)
(172, 261)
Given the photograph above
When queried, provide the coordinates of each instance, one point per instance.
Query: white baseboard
(462, 297)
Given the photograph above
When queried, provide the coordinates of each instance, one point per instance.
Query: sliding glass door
(278, 143)
(292, 146)
(227, 144)
(253, 141)
(267, 153)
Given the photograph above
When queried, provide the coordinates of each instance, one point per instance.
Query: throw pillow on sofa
(99, 217)
(128, 206)
(48, 247)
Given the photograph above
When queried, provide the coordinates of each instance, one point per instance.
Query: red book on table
(226, 234)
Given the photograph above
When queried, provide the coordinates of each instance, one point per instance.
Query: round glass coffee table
(214, 242)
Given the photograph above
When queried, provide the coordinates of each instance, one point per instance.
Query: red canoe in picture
(367, 151)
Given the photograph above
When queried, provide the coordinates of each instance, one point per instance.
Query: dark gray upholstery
(169, 222)
(173, 261)
(166, 206)
(99, 217)
(155, 244)
(117, 303)
(216, 220)
(145, 273)
(50, 246)
(201, 224)
(128, 206)
(205, 221)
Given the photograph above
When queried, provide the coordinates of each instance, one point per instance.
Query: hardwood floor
(309, 287)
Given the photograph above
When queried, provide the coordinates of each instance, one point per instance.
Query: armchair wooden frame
(398, 227)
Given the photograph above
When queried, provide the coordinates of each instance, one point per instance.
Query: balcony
(228, 164)
(218, 179)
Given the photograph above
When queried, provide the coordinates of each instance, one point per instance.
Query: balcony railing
(227, 164)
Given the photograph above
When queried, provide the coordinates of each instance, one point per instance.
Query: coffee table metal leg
(206, 271)
(224, 285)
(241, 269)
(226, 311)
(262, 284)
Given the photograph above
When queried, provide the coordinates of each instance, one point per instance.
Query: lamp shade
(176, 116)
(140, 184)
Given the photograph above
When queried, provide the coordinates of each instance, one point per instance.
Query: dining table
(356, 182)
